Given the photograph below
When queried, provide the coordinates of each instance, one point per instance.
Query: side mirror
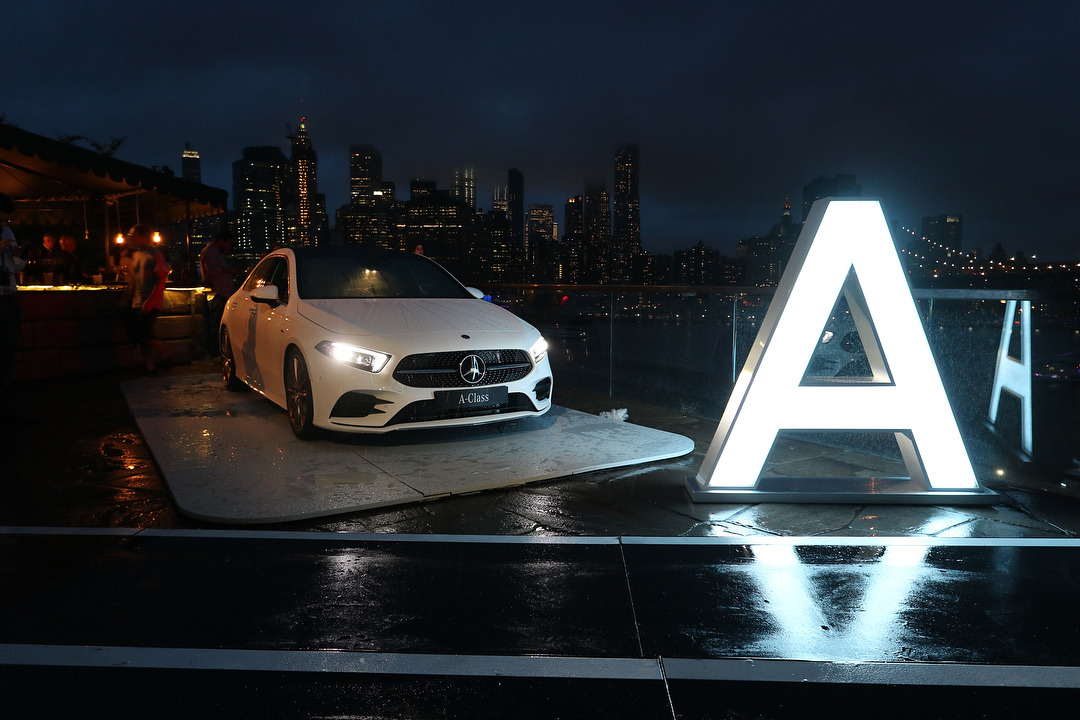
(478, 294)
(266, 294)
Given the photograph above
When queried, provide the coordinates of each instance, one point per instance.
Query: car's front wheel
(298, 397)
(228, 364)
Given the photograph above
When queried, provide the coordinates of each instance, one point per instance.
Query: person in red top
(146, 285)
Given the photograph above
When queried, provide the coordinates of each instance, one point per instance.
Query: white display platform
(231, 457)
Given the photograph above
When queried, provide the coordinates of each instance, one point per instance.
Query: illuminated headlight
(357, 357)
(538, 350)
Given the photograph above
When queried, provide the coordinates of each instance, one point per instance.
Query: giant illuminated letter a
(1014, 374)
(845, 246)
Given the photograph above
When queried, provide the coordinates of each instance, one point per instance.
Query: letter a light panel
(845, 246)
(1014, 374)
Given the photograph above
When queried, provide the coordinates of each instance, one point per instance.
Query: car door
(246, 331)
(273, 321)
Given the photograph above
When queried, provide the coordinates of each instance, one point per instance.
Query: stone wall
(68, 330)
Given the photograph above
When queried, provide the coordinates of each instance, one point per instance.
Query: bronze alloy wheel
(298, 398)
(228, 364)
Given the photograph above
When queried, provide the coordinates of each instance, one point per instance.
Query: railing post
(734, 337)
(611, 343)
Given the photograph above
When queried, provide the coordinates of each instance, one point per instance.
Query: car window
(271, 271)
(280, 278)
(258, 276)
(377, 275)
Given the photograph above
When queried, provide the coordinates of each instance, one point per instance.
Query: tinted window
(367, 274)
(258, 276)
(271, 271)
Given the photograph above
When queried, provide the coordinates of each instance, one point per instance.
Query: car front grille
(427, 411)
(442, 369)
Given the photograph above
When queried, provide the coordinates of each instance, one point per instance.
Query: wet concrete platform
(610, 594)
(230, 457)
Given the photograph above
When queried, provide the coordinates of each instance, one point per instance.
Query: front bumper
(343, 403)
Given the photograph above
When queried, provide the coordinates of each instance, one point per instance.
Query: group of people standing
(146, 275)
(146, 271)
(55, 261)
(10, 314)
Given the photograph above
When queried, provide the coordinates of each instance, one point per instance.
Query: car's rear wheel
(228, 364)
(299, 400)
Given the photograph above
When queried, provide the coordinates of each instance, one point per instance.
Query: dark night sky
(937, 107)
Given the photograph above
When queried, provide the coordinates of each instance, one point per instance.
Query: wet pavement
(610, 594)
(76, 458)
(319, 624)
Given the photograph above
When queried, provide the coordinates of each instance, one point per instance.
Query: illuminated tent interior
(54, 183)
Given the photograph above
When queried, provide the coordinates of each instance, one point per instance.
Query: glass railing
(681, 348)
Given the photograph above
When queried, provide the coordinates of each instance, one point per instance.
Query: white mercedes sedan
(365, 340)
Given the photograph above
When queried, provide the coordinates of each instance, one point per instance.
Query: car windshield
(368, 273)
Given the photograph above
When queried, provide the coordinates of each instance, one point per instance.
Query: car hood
(395, 317)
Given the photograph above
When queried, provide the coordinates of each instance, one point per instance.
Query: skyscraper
(572, 250)
(464, 187)
(942, 235)
(597, 218)
(765, 257)
(433, 219)
(626, 228)
(596, 260)
(542, 226)
(542, 241)
(261, 185)
(369, 217)
(498, 199)
(310, 210)
(365, 174)
(515, 207)
(190, 164)
(943, 230)
(199, 230)
(699, 265)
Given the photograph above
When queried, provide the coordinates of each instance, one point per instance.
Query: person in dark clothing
(10, 312)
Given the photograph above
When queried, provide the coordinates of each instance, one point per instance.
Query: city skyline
(622, 211)
(935, 108)
(727, 246)
(600, 238)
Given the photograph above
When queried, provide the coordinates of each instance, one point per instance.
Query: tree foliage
(108, 148)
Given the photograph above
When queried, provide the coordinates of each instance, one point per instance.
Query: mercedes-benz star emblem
(472, 369)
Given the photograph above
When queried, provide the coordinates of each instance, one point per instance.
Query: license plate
(473, 399)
